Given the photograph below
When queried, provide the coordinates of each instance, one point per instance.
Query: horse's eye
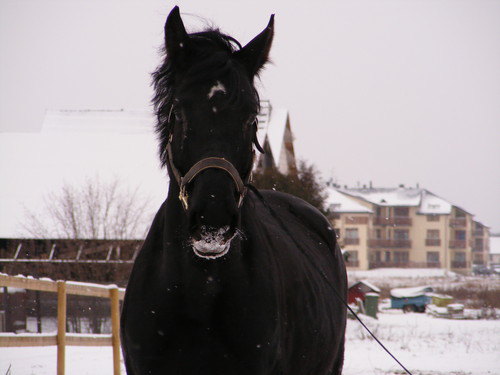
(251, 121)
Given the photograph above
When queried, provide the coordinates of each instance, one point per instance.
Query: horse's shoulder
(303, 211)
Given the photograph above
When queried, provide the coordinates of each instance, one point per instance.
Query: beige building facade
(405, 227)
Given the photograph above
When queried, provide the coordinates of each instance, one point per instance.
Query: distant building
(359, 289)
(276, 137)
(406, 227)
(494, 252)
(108, 144)
(480, 241)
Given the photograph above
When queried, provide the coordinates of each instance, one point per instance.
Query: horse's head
(207, 105)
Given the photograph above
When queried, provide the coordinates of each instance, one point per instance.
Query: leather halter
(200, 166)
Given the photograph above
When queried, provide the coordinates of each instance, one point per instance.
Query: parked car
(411, 299)
(482, 270)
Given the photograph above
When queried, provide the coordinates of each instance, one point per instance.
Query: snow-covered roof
(387, 196)
(428, 203)
(341, 203)
(121, 145)
(410, 292)
(494, 245)
(433, 205)
(90, 121)
(368, 284)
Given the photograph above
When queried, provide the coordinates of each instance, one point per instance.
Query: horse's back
(311, 270)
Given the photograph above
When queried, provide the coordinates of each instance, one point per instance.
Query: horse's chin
(212, 244)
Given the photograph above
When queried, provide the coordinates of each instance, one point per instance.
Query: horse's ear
(256, 53)
(176, 37)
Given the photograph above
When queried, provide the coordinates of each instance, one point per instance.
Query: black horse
(230, 280)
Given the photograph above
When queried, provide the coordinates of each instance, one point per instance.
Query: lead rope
(273, 213)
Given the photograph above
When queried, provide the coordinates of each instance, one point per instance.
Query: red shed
(359, 290)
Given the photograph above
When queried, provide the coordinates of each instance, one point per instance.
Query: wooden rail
(61, 338)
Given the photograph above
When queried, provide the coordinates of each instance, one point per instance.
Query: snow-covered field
(425, 345)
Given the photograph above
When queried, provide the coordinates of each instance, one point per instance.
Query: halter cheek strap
(200, 166)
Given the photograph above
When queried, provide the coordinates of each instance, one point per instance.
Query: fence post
(115, 328)
(61, 327)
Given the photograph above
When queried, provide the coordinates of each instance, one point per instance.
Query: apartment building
(480, 243)
(351, 221)
(405, 227)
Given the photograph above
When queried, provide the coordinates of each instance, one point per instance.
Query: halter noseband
(200, 166)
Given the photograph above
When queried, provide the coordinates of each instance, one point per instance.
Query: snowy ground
(426, 345)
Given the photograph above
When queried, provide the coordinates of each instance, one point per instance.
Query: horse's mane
(211, 53)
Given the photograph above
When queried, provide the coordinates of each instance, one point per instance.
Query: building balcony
(395, 220)
(356, 220)
(432, 242)
(390, 265)
(478, 248)
(432, 264)
(459, 264)
(458, 244)
(408, 264)
(351, 241)
(401, 244)
(458, 222)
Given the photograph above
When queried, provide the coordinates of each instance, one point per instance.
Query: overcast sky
(391, 92)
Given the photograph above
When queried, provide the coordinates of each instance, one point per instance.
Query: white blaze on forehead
(218, 87)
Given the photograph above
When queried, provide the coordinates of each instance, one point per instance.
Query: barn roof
(104, 144)
(95, 121)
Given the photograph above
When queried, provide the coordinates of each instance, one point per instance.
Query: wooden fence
(61, 338)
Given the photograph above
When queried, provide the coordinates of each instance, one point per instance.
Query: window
(379, 211)
(459, 256)
(401, 257)
(432, 217)
(377, 256)
(459, 213)
(401, 211)
(387, 256)
(378, 234)
(433, 257)
(401, 234)
(351, 233)
(353, 256)
(460, 235)
(433, 234)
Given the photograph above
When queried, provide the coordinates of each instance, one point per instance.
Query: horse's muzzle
(212, 243)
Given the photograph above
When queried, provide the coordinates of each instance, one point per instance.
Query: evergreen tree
(306, 184)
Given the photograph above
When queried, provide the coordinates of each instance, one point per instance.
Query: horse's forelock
(211, 53)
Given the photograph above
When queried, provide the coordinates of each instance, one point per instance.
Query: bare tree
(92, 210)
